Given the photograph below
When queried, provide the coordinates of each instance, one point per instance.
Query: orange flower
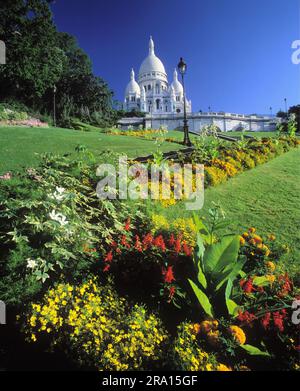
(238, 334)
(213, 337)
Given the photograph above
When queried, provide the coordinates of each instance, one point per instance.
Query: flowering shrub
(214, 176)
(51, 223)
(100, 328)
(147, 263)
(265, 297)
(180, 226)
(227, 161)
(188, 355)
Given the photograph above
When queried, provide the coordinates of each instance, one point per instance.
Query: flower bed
(117, 289)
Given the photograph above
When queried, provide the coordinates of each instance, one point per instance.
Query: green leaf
(254, 351)
(219, 255)
(261, 281)
(232, 307)
(201, 276)
(202, 299)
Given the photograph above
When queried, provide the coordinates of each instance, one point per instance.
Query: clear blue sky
(238, 51)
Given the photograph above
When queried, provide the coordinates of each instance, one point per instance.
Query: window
(149, 87)
(133, 99)
(157, 104)
(177, 98)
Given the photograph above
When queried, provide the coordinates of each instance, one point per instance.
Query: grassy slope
(266, 197)
(18, 145)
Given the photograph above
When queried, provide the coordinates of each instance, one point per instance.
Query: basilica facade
(151, 92)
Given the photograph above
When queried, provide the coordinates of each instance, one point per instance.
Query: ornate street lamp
(54, 106)
(182, 70)
(285, 104)
(271, 110)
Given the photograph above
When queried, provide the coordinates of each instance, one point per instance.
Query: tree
(34, 62)
(296, 110)
(39, 58)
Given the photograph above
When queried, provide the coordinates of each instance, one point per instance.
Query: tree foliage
(39, 58)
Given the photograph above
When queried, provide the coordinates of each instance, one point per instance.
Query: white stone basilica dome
(152, 67)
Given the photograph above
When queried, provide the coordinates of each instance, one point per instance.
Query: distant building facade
(151, 93)
(163, 103)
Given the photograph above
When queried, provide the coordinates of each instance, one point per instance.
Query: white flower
(59, 217)
(31, 263)
(60, 190)
(58, 195)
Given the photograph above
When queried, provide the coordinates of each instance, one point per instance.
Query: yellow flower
(257, 239)
(223, 368)
(238, 334)
(271, 237)
(271, 278)
(252, 230)
(242, 241)
(270, 265)
(196, 328)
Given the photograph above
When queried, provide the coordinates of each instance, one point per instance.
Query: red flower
(286, 285)
(138, 244)
(278, 321)
(168, 275)
(106, 267)
(127, 224)
(177, 245)
(172, 292)
(246, 317)
(266, 320)
(147, 241)
(114, 244)
(159, 242)
(187, 250)
(247, 285)
(124, 241)
(109, 257)
(172, 240)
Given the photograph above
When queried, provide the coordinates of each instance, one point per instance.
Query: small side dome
(176, 84)
(132, 86)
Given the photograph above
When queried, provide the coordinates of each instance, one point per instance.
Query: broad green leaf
(230, 272)
(202, 299)
(254, 351)
(201, 276)
(232, 307)
(218, 255)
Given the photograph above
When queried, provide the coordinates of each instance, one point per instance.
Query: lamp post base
(186, 140)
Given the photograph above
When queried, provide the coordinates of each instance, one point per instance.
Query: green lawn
(20, 146)
(255, 134)
(266, 197)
